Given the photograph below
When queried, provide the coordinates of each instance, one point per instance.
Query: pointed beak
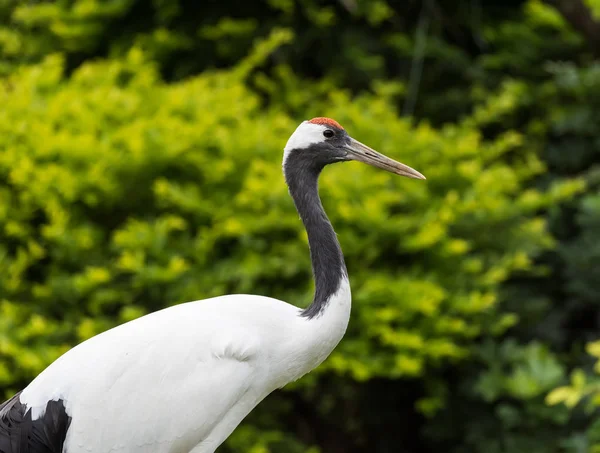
(362, 153)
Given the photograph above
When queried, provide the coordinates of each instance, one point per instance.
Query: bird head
(322, 141)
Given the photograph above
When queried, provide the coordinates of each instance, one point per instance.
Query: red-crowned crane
(181, 379)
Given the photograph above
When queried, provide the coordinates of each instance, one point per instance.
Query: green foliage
(534, 371)
(583, 387)
(134, 175)
(555, 107)
(353, 42)
(122, 194)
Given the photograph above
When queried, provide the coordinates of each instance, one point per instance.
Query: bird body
(181, 379)
(239, 348)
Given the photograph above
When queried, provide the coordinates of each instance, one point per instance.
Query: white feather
(306, 134)
(180, 380)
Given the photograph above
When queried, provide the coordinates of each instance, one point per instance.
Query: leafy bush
(461, 46)
(574, 111)
(121, 194)
(583, 388)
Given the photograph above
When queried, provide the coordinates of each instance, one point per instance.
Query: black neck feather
(302, 175)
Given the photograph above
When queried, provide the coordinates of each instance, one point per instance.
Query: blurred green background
(140, 166)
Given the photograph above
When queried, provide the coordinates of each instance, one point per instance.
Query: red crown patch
(326, 122)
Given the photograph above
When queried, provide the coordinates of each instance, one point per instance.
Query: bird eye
(328, 133)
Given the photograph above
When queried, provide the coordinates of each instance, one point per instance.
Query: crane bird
(181, 379)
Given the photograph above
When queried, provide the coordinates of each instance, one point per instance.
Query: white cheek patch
(305, 135)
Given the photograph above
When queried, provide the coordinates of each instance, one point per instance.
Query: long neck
(328, 265)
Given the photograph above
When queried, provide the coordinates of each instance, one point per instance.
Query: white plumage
(124, 389)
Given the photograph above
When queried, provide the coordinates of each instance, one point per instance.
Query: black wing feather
(20, 434)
